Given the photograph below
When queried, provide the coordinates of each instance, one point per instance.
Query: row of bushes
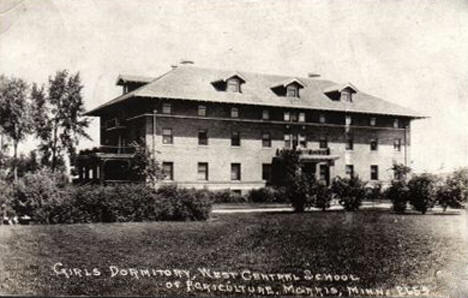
(45, 200)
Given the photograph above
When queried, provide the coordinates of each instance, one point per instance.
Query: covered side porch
(104, 164)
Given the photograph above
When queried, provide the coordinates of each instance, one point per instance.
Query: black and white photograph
(234, 148)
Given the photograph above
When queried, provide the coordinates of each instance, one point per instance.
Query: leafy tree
(285, 167)
(144, 166)
(422, 192)
(15, 111)
(454, 192)
(401, 171)
(58, 117)
(350, 192)
(397, 193)
(322, 195)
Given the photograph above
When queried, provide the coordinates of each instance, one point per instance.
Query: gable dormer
(230, 83)
(288, 88)
(130, 83)
(342, 93)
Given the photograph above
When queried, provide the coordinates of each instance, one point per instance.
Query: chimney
(313, 75)
(186, 62)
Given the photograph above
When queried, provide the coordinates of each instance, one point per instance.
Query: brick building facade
(221, 129)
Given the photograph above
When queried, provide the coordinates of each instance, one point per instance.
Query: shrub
(37, 194)
(285, 167)
(454, 192)
(262, 195)
(226, 196)
(299, 192)
(397, 193)
(322, 196)
(422, 192)
(349, 191)
(6, 193)
(374, 192)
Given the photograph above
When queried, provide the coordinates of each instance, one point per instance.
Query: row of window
(203, 171)
(290, 140)
(288, 116)
(374, 171)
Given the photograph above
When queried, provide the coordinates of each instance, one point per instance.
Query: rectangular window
(167, 108)
(302, 141)
(266, 115)
(234, 113)
(168, 170)
(167, 136)
(235, 171)
(292, 91)
(374, 144)
(233, 85)
(322, 118)
(349, 143)
(323, 143)
(348, 120)
(266, 139)
(373, 121)
(287, 141)
(396, 123)
(374, 172)
(235, 138)
(350, 171)
(293, 117)
(287, 116)
(301, 117)
(397, 144)
(202, 172)
(202, 137)
(266, 171)
(202, 111)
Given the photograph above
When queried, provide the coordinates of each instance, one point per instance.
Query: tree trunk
(54, 148)
(15, 155)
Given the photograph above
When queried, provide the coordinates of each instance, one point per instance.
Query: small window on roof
(233, 85)
(292, 91)
(346, 95)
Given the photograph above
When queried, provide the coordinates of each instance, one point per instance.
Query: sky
(412, 53)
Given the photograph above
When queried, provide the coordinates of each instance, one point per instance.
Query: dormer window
(342, 93)
(288, 88)
(292, 91)
(233, 85)
(346, 95)
(229, 83)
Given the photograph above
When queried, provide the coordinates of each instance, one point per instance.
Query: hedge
(46, 202)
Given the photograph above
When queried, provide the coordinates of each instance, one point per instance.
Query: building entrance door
(325, 173)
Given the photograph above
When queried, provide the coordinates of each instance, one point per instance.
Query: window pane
(302, 141)
(294, 117)
(233, 85)
(350, 170)
(201, 110)
(348, 120)
(292, 91)
(302, 117)
(287, 141)
(235, 171)
(202, 137)
(168, 170)
(167, 136)
(235, 139)
(234, 112)
(286, 116)
(374, 172)
(266, 139)
(374, 144)
(373, 121)
(167, 109)
(396, 123)
(202, 171)
(349, 143)
(397, 144)
(322, 118)
(266, 114)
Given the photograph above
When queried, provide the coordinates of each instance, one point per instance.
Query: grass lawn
(383, 250)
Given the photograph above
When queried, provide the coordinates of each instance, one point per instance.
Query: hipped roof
(194, 83)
